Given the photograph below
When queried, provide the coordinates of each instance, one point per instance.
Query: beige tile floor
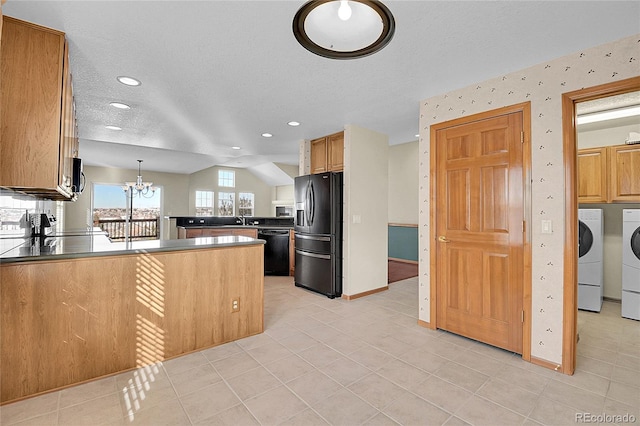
(323, 361)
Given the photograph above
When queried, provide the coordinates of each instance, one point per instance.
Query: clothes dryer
(631, 263)
(590, 261)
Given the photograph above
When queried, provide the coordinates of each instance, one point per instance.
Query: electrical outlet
(235, 305)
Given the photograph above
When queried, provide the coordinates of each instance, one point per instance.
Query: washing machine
(590, 260)
(631, 263)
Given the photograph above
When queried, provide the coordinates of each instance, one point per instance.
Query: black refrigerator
(318, 233)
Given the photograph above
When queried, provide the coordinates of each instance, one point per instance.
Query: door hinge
(524, 226)
(522, 319)
(521, 137)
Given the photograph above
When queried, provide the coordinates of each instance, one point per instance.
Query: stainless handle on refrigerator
(319, 256)
(307, 206)
(311, 237)
(312, 199)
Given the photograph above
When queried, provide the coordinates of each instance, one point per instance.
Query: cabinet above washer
(609, 174)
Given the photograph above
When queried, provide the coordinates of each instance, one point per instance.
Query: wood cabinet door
(253, 233)
(31, 93)
(194, 232)
(335, 152)
(479, 217)
(625, 173)
(208, 232)
(221, 232)
(592, 175)
(319, 155)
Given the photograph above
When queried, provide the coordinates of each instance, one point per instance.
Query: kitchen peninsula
(84, 307)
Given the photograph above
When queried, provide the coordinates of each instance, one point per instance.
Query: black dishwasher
(276, 251)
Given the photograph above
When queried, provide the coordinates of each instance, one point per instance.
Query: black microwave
(284, 211)
(77, 177)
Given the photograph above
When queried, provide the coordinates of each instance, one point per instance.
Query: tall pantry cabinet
(39, 131)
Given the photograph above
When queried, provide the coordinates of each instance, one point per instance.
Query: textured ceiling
(217, 74)
(611, 102)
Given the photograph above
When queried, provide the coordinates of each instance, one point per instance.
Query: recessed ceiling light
(235, 147)
(129, 81)
(293, 123)
(119, 105)
(267, 135)
(417, 136)
(113, 127)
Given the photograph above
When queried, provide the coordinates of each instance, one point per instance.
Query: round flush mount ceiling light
(340, 29)
(113, 127)
(235, 147)
(129, 81)
(119, 105)
(267, 135)
(293, 123)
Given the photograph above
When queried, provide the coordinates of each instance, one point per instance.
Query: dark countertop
(247, 221)
(234, 227)
(13, 250)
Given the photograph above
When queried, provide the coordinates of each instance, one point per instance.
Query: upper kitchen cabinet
(609, 174)
(319, 155)
(327, 153)
(625, 173)
(592, 175)
(39, 132)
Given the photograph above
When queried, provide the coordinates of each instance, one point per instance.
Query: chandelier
(139, 187)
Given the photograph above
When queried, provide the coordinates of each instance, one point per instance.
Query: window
(226, 203)
(245, 204)
(204, 203)
(111, 205)
(227, 178)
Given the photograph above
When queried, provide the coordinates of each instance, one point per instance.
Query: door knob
(443, 239)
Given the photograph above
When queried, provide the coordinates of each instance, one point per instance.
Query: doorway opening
(113, 211)
(570, 291)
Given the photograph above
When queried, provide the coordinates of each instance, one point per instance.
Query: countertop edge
(188, 244)
(235, 227)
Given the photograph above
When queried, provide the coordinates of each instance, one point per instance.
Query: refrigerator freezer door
(314, 272)
(314, 243)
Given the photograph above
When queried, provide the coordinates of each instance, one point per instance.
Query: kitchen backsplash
(16, 209)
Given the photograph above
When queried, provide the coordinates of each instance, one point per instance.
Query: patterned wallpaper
(304, 162)
(543, 86)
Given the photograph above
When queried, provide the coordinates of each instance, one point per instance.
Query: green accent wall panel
(403, 242)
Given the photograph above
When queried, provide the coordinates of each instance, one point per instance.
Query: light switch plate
(547, 227)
